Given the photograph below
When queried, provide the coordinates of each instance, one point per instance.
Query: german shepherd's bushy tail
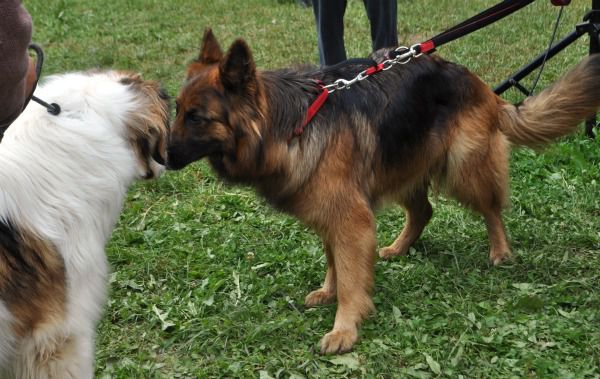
(557, 110)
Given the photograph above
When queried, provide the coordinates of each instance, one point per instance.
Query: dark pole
(537, 62)
(594, 34)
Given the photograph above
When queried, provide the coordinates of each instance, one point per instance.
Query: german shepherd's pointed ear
(237, 70)
(210, 52)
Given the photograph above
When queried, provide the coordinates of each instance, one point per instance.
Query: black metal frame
(589, 26)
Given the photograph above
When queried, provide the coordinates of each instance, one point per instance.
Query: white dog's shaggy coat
(63, 180)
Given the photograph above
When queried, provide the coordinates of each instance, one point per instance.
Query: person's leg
(329, 16)
(383, 16)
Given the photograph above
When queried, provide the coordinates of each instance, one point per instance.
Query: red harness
(313, 109)
(316, 105)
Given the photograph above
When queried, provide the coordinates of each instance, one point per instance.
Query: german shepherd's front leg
(351, 237)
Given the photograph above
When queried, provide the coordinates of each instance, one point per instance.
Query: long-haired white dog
(63, 180)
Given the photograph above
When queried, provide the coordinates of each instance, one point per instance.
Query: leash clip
(405, 54)
(343, 83)
(416, 50)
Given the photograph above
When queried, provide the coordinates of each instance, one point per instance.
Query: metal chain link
(403, 58)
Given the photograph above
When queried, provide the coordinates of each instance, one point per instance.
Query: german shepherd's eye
(195, 117)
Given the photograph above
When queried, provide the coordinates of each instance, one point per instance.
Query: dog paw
(338, 341)
(319, 297)
(390, 252)
(498, 257)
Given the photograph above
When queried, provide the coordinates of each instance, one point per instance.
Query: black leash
(488, 17)
(52, 108)
(480, 20)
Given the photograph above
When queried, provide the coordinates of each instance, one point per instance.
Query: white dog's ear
(131, 78)
(135, 77)
(147, 131)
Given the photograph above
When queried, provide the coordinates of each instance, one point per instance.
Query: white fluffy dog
(63, 180)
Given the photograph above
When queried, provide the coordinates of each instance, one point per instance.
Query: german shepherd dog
(390, 137)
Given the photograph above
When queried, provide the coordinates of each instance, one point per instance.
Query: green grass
(208, 281)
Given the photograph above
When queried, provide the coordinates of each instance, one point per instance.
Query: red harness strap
(312, 110)
(374, 69)
(320, 100)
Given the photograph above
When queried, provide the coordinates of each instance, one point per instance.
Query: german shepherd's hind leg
(418, 213)
(499, 247)
(488, 205)
(480, 181)
(326, 294)
(352, 241)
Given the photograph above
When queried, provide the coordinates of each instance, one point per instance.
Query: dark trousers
(329, 15)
